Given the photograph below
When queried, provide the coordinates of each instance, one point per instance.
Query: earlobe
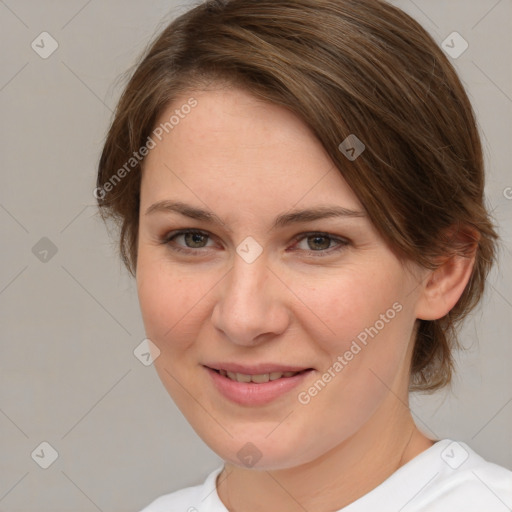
(443, 287)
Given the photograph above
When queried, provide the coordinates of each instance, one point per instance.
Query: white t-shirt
(447, 477)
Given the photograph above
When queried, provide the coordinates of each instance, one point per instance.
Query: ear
(442, 287)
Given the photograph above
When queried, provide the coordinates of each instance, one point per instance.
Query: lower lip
(251, 393)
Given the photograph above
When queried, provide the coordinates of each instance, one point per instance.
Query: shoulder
(447, 477)
(198, 498)
(463, 477)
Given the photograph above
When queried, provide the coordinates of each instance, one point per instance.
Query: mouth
(258, 378)
(255, 385)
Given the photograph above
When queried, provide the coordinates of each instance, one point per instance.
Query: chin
(250, 448)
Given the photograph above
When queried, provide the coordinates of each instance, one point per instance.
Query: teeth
(264, 377)
(259, 379)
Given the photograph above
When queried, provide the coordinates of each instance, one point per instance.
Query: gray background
(69, 324)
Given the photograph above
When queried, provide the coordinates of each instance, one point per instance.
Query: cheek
(172, 303)
(364, 333)
(354, 302)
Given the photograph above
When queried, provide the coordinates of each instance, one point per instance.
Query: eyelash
(170, 237)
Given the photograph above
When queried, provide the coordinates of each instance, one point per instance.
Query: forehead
(232, 146)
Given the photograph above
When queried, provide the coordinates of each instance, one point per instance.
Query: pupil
(318, 242)
(195, 240)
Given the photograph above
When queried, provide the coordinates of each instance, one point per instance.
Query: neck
(337, 478)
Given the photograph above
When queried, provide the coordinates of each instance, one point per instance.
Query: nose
(251, 305)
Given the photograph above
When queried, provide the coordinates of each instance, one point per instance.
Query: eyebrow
(312, 214)
(292, 217)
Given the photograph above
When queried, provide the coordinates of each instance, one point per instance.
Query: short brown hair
(344, 67)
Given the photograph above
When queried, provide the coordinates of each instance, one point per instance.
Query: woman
(299, 186)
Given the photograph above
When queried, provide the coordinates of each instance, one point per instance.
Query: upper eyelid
(184, 231)
(178, 232)
(319, 233)
(303, 234)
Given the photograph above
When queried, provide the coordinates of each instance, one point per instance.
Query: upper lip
(256, 369)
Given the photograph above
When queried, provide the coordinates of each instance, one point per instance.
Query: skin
(300, 302)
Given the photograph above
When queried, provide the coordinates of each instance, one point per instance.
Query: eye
(319, 243)
(187, 240)
(194, 240)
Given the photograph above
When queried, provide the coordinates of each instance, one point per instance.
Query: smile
(257, 385)
(258, 378)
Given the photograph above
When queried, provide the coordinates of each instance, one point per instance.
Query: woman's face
(255, 257)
